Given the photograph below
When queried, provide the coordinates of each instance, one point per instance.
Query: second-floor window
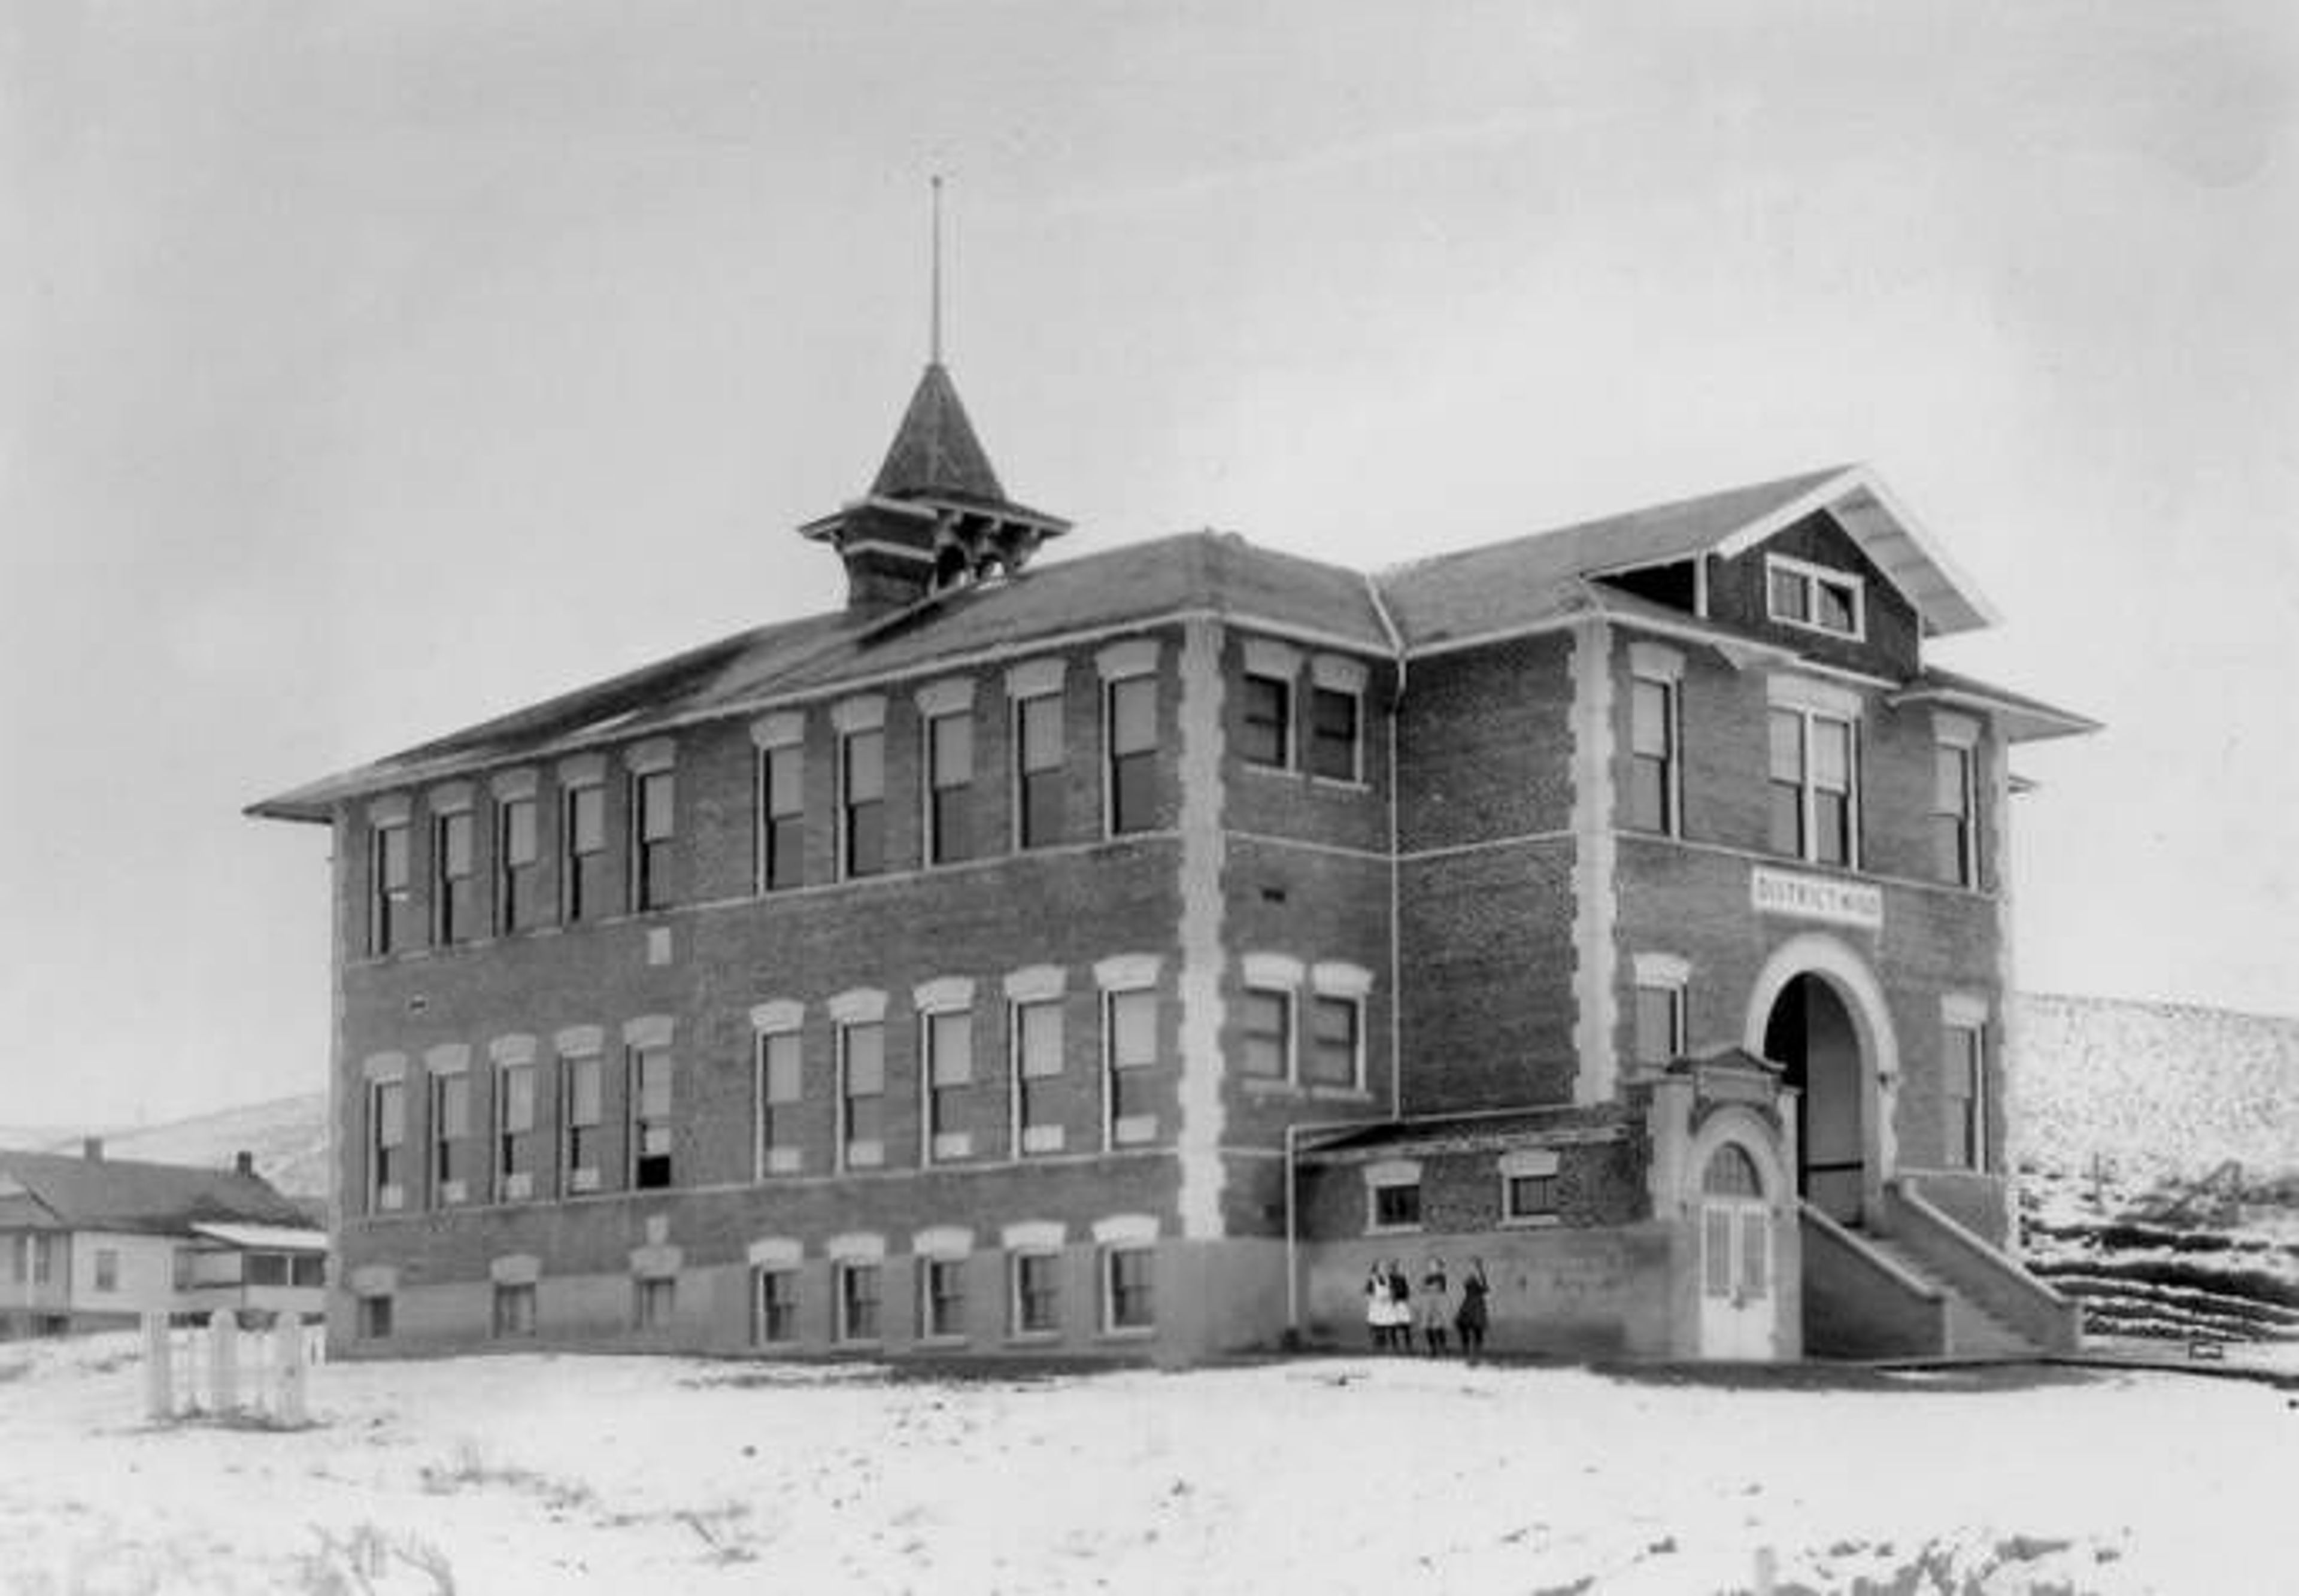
(1269, 1033)
(1652, 743)
(451, 1126)
(862, 803)
(1038, 777)
(782, 818)
(1335, 1056)
(1965, 1073)
(585, 863)
(949, 1071)
(779, 1088)
(651, 1127)
(517, 865)
(1336, 717)
(515, 1131)
(1268, 737)
(1037, 1075)
(863, 1094)
(1956, 854)
(654, 826)
(386, 1145)
(1130, 1049)
(582, 1097)
(950, 787)
(1132, 730)
(1659, 1021)
(451, 869)
(391, 891)
(1815, 803)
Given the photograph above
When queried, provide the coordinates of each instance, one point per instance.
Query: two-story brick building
(1122, 952)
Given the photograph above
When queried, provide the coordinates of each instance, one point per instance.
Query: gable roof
(127, 1194)
(1453, 597)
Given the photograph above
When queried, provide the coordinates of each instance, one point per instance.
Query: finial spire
(933, 355)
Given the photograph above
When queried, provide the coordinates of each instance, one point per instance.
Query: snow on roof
(269, 1238)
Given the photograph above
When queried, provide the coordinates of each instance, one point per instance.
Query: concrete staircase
(1973, 1332)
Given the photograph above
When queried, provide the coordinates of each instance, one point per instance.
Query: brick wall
(1484, 744)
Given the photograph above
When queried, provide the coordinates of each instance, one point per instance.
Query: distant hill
(288, 1136)
(2156, 1090)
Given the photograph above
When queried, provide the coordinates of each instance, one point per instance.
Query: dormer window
(1814, 597)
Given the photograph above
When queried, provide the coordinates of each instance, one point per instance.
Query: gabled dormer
(936, 517)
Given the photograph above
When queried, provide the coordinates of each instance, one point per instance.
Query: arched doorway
(1811, 1035)
(1737, 1314)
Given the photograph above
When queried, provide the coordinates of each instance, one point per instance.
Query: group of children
(1392, 1309)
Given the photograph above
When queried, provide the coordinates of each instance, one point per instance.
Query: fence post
(223, 1361)
(287, 1369)
(159, 1357)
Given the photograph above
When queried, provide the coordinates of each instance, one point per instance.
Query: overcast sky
(367, 370)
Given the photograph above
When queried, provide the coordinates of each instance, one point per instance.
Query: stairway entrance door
(1739, 1316)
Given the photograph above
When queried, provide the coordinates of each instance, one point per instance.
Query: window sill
(1034, 1338)
(1129, 1332)
(941, 1344)
(1393, 1230)
(1336, 785)
(1532, 1222)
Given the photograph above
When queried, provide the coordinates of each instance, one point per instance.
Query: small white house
(89, 1242)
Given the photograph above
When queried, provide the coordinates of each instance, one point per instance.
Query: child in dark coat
(1470, 1320)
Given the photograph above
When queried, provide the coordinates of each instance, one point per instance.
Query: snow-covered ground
(546, 1474)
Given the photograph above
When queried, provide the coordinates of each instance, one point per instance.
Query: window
(515, 1310)
(1130, 1048)
(387, 1136)
(1334, 716)
(450, 868)
(307, 1269)
(1963, 1071)
(107, 1269)
(265, 1269)
(1528, 1197)
(1037, 1031)
(391, 902)
(654, 1301)
(950, 787)
(1128, 1298)
(1269, 1034)
(862, 801)
(1132, 730)
(1814, 806)
(1038, 741)
(863, 1094)
(374, 1318)
(1037, 1293)
(181, 1268)
(782, 818)
(518, 851)
(21, 1255)
(1396, 1204)
(1336, 1032)
(451, 1123)
(1814, 597)
(651, 1128)
(1955, 857)
(583, 1114)
(515, 1131)
(1652, 741)
(858, 1301)
(1268, 734)
(942, 1298)
(44, 1249)
(585, 878)
(949, 1071)
(1659, 1021)
(774, 1316)
(654, 826)
(779, 1087)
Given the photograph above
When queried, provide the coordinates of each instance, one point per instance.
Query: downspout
(1292, 1241)
(1396, 952)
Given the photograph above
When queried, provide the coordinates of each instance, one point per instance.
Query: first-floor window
(515, 1131)
(774, 1312)
(451, 1123)
(1130, 1044)
(950, 1070)
(1037, 1075)
(1397, 1205)
(651, 1129)
(1964, 1073)
(1336, 1041)
(858, 1301)
(583, 1120)
(107, 1269)
(387, 1142)
(515, 1310)
(942, 1298)
(265, 1269)
(863, 1094)
(654, 1301)
(44, 1258)
(374, 1318)
(1955, 803)
(1128, 1287)
(1659, 1022)
(1269, 1033)
(1037, 1293)
(779, 1088)
(307, 1269)
(1529, 1197)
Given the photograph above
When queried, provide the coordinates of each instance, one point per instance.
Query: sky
(367, 370)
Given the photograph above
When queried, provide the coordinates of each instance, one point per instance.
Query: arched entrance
(1738, 1313)
(1818, 1011)
(1810, 1034)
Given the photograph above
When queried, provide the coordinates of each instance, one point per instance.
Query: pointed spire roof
(934, 453)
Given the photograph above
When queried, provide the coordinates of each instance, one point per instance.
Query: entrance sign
(1817, 898)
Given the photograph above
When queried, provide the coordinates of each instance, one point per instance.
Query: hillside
(287, 1136)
